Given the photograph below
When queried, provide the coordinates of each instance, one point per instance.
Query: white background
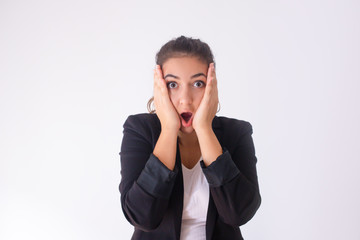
(72, 71)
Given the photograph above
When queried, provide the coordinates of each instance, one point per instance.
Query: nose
(186, 97)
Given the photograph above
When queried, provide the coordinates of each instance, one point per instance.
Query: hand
(206, 111)
(165, 109)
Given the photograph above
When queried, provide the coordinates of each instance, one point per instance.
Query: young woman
(187, 173)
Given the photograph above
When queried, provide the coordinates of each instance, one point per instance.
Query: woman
(186, 173)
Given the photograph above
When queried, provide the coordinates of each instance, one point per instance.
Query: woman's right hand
(165, 109)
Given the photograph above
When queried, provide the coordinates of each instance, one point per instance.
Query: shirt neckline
(193, 168)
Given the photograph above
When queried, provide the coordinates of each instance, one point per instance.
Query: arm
(148, 175)
(233, 179)
(209, 144)
(165, 148)
(146, 183)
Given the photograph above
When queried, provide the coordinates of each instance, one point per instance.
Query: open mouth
(186, 116)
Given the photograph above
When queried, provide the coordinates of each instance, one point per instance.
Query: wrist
(204, 129)
(171, 131)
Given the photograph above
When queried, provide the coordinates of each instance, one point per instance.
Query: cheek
(173, 97)
(198, 97)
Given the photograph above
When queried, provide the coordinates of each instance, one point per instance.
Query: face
(186, 81)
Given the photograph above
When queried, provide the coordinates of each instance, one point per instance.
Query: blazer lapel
(178, 194)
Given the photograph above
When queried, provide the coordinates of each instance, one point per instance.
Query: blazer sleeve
(146, 183)
(233, 179)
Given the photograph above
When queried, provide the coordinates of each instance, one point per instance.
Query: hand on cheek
(165, 109)
(207, 109)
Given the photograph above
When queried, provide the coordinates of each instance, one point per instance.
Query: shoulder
(233, 133)
(228, 123)
(142, 118)
(143, 123)
(232, 125)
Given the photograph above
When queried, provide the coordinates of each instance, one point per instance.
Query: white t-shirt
(196, 201)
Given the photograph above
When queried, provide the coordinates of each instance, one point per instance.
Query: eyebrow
(193, 76)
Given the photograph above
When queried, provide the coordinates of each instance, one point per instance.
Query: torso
(195, 205)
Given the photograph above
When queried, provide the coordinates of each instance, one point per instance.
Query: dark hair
(182, 47)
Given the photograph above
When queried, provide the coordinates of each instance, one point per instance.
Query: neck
(188, 139)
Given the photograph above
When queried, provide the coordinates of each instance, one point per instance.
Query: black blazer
(152, 195)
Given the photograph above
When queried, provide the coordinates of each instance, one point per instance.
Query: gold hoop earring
(219, 107)
(151, 105)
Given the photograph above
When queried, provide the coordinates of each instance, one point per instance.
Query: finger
(155, 76)
(160, 74)
(159, 88)
(157, 79)
(213, 74)
(209, 73)
(159, 70)
(210, 78)
(211, 91)
(161, 82)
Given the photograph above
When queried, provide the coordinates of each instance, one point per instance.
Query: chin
(187, 130)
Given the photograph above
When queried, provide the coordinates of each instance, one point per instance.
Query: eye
(199, 84)
(171, 84)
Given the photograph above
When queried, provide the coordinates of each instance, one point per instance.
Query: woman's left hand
(208, 106)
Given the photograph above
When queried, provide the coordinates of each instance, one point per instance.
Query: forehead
(184, 66)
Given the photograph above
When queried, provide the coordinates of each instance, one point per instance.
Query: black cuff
(156, 178)
(221, 171)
